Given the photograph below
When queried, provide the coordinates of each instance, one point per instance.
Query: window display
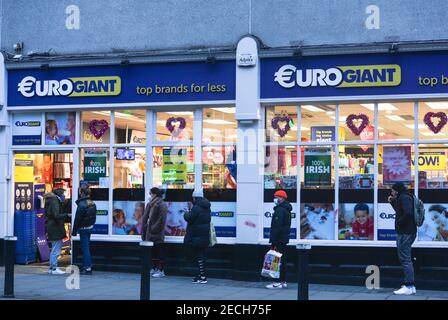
(95, 127)
(175, 126)
(219, 167)
(281, 123)
(130, 126)
(432, 120)
(356, 122)
(318, 123)
(60, 128)
(219, 125)
(280, 167)
(173, 167)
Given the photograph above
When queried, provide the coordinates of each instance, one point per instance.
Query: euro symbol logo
(284, 74)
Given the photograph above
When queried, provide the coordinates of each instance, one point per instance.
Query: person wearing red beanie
(279, 234)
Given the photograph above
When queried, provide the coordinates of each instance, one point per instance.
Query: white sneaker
(153, 271)
(57, 271)
(405, 291)
(158, 274)
(275, 285)
(414, 290)
(50, 271)
(284, 285)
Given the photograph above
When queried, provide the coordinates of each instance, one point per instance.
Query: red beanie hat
(281, 194)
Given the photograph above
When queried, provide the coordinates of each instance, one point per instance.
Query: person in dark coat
(84, 222)
(403, 203)
(54, 226)
(279, 234)
(197, 236)
(153, 229)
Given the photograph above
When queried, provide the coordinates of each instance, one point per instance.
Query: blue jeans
(84, 237)
(404, 247)
(56, 247)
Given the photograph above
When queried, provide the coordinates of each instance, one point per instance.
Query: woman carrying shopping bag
(279, 235)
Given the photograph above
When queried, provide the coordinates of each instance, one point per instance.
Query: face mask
(276, 201)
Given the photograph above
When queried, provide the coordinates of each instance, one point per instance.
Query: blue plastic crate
(25, 231)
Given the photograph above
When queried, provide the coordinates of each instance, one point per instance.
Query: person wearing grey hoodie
(197, 236)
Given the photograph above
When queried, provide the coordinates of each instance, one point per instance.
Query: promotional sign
(27, 129)
(430, 161)
(435, 225)
(102, 218)
(317, 221)
(95, 162)
(354, 75)
(41, 238)
(23, 168)
(396, 164)
(268, 212)
(323, 134)
(174, 167)
(386, 222)
(23, 196)
(135, 83)
(318, 167)
(138, 137)
(127, 217)
(60, 128)
(356, 221)
(89, 138)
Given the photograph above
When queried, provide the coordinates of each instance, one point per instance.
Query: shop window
(175, 126)
(433, 191)
(94, 172)
(219, 167)
(27, 128)
(60, 128)
(95, 127)
(432, 120)
(173, 167)
(317, 208)
(281, 123)
(356, 122)
(130, 126)
(219, 125)
(318, 123)
(280, 167)
(396, 121)
(356, 192)
(129, 190)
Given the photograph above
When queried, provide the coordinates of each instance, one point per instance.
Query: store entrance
(37, 174)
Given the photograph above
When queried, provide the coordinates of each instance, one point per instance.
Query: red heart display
(98, 127)
(428, 121)
(364, 123)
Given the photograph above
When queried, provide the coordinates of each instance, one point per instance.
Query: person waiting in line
(279, 234)
(197, 237)
(54, 226)
(403, 203)
(85, 218)
(153, 229)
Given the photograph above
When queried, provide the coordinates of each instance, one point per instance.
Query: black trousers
(158, 256)
(282, 249)
(199, 257)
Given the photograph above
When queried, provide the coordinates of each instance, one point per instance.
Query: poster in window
(396, 164)
(318, 167)
(60, 128)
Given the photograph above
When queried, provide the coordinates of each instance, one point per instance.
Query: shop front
(335, 132)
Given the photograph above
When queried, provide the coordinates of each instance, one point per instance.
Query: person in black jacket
(85, 219)
(403, 203)
(279, 234)
(197, 236)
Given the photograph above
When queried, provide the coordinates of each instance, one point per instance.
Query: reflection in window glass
(219, 167)
(280, 167)
(219, 125)
(356, 167)
(130, 126)
(318, 122)
(396, 121)
(353, 118)
(173, 167)
(175, 126)
(281, 123)
(129, 167)
(433, 112)
(394, 165)
(95, 127)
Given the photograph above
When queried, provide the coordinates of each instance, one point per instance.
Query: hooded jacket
(154, 220)
(54, 217)
(85, 214)
(281, 224)
(198, 227)
(403, 205)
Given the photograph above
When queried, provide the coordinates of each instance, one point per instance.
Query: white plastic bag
(271, 264)
(213, 239)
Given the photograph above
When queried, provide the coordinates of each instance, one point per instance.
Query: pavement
(34, 283)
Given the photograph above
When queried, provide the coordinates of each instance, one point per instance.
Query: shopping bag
(271, 264)
(213, 239)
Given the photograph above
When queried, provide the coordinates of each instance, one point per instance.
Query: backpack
(419, 212)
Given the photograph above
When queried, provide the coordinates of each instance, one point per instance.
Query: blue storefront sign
(140, 83)
(355, 75)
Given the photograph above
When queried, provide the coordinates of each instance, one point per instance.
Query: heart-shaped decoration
(98, 128)
(351, 125)
(173, 123)
(428, 119)
(275, 125)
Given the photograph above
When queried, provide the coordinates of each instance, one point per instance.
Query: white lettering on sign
(373, 20)
(307, 78)
(73, 20)
(30, 86)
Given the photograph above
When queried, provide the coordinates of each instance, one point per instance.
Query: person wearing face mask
(54, 226)
(279, 235)
(153, 229)
(198, 232)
